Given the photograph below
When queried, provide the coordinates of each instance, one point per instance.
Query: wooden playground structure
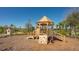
(42, 26)
(44, 29)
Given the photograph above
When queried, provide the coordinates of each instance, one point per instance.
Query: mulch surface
(21, 43)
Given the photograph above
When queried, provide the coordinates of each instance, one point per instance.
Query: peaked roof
(45, 20)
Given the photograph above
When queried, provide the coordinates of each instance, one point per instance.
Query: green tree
(72, 21)
(1, 29)
(29, 26)
(13, 28)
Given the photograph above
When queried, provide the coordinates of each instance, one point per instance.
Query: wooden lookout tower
(44, 25)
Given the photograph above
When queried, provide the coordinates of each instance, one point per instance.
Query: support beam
(47, 28)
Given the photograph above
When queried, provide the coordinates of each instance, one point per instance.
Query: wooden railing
(59, 36)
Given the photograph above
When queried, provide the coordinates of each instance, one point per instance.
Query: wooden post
(47, 28)
(39, 28)
(64, 38)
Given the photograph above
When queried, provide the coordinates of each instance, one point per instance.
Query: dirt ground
(21, 43)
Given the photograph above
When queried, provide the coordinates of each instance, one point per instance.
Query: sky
(19, 16)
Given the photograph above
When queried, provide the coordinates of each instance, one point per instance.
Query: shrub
(1, 29)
